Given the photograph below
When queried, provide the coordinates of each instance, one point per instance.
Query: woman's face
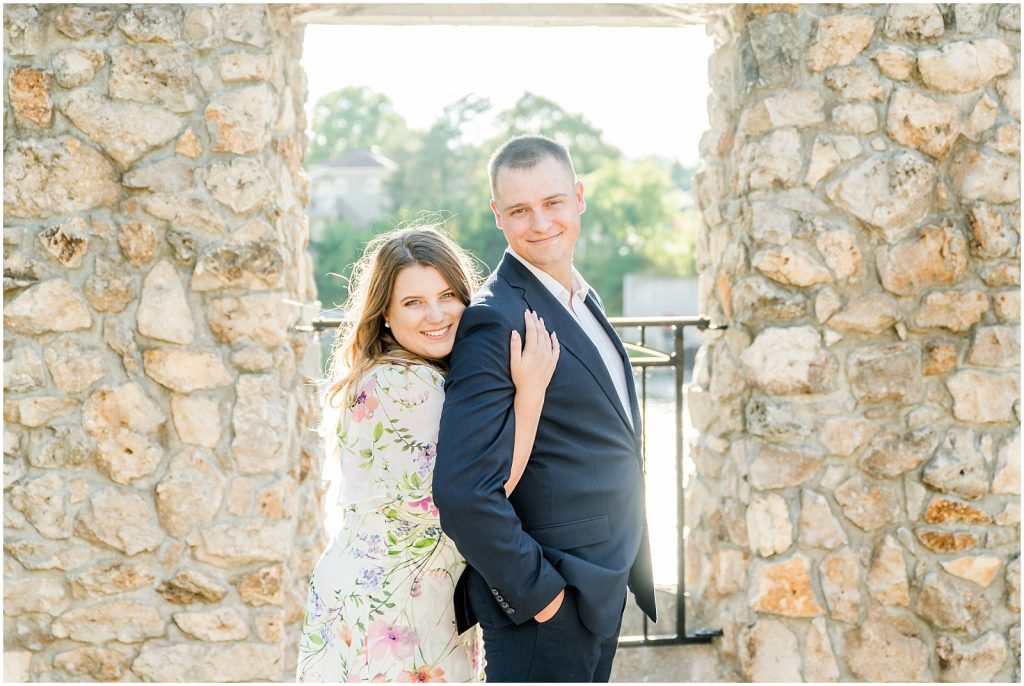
(424, 312)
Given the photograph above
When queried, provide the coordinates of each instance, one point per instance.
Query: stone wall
(161, 488)
(855, 513)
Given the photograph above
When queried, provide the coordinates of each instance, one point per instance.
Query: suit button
(498, 598)
(494, 591)
(511, 610)
(505, 605)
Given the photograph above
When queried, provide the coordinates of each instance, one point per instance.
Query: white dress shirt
(575, 304)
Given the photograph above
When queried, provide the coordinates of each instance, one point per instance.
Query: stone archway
(861, 207)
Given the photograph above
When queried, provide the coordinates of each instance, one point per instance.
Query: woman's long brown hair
(363, 341)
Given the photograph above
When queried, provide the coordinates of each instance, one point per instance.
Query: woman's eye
(409, 303)
(447, 296)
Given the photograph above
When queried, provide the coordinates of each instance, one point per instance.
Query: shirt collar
(580, 288)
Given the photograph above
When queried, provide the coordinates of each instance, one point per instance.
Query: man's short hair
(523, 152)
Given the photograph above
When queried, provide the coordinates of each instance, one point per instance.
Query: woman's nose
(435, 312)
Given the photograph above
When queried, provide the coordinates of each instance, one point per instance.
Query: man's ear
(497, 215)
(581, 203)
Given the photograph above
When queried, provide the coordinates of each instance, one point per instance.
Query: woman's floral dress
(380, 598)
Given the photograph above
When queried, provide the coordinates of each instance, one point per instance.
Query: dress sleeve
(388, 438)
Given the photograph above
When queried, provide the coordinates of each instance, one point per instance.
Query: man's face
(539, 211)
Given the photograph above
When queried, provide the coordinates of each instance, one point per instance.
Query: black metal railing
(644, 357)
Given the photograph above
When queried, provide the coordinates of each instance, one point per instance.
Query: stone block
(101, 664)
(239, 120)
(789, 361)
(894, 453)
(46, 503)
(251, 259)
(872, 313)
(198, 662)
(920, 122)
(868, 504)
(981, 569)
(261, 318)
(1006, 479)
(125, 131)
(242, 544)
(964, 66)
(76, 67)
(991, 235)
(184, 371)
(79, 21)
(889, 372)
(111, 286)
(757, 298)
(24, 371)
(936, 256)
(191, 493)
(956, 311)
(770, 652)
(818, 526)
(895, 62)
(261, 417)
(49, 306)
(914, 22)
(886, 649)
(981, 175)
(197, 419)
(860, 83)
(840, 584)
(29, 94)
(995, 346)
(788, 108)
(949, 605)
(890, 192)
(979, 661)
(164, 312)
(121, 520)
(155, 24)
(946, 541)
(839, 39)
(769, 529)
(110, 578)
(980, 397)
(887, 577)
(791, 266)
(120, 620)
(155, 74)
(189, 586)
(36, 593)
(263, 587)
(773, 466)
(212, 626)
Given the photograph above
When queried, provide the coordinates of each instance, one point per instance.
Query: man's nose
(541, 220)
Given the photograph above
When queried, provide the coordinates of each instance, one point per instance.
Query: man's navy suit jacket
(577, 516)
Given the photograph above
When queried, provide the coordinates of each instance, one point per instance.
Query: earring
(386, 325)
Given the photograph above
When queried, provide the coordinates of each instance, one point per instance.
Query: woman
(380, 598)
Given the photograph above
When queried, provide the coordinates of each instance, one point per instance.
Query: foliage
(337, 249)
(633, 222)
(352, 118)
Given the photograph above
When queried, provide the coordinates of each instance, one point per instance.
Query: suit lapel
(570, 335)
(598, 311)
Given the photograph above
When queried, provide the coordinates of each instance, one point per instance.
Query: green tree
(626, 226)
(339, 246)
(536, 115)
(353, 118)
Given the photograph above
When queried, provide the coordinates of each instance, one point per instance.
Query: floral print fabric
(380, 598)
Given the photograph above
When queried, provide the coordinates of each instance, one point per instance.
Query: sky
(645, 88)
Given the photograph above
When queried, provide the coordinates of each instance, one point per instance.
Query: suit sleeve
(474, 456)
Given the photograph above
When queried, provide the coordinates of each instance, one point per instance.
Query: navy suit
(576, 519)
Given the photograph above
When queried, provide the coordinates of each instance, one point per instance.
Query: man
(548, 566)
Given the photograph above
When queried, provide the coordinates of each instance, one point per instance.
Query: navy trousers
(558, 650)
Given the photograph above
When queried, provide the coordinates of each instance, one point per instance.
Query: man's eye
(519, 210)
(555, 202)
